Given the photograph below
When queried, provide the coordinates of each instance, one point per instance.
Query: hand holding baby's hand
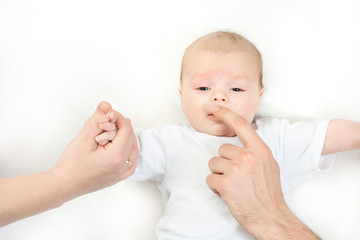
(86, 166)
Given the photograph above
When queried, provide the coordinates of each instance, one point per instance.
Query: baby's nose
(220, 97)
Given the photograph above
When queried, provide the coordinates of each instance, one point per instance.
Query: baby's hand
(109, 130)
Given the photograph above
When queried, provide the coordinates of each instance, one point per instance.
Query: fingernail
(215, 108)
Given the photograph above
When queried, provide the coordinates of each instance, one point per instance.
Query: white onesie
(176, 157)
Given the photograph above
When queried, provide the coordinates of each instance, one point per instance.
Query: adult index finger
(240, 125)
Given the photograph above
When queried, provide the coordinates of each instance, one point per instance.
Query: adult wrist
(66, 191)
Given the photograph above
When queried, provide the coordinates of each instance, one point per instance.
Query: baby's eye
(236, 89)
(203, 88)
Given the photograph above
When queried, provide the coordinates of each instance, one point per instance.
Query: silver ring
(128, 162)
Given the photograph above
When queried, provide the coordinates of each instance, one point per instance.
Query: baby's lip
(213, 117)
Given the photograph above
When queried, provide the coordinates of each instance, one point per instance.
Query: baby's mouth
(213, 117)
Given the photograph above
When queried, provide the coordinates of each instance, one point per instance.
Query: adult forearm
(284, 227)
(24, 196)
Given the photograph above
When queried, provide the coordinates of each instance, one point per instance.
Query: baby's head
(223, 69)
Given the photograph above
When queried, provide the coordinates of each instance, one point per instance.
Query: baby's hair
(225, 42)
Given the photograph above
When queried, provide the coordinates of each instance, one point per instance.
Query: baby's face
(215, 79)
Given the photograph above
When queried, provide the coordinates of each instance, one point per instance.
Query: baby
(224, 69)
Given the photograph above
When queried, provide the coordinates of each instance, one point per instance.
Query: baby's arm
(341, 135)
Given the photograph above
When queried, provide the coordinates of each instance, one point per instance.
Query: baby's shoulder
(269, 124)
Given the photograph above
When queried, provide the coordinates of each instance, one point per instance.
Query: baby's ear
(181, 101)
(261, 92)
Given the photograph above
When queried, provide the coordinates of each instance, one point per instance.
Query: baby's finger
(105, 136)
(103, 142)
(108, 126)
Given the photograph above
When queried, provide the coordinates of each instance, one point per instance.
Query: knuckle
(266, 150)
(236, 169)
(248, 157)
(251, 161)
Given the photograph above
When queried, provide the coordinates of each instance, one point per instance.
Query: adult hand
(248, 180)
(88, 166)
(84, 167)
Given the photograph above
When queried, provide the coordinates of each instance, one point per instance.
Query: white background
(59, 59)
